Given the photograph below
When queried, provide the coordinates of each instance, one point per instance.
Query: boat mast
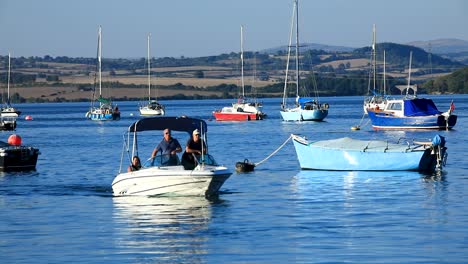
(242, 59)
(149, 70)
(99, 63)
(297, 48)
(374, 55)
(384, 76)
(289, 56)
(8, 81)
(409, 72)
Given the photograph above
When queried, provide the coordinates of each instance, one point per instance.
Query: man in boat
(195, 146)
(169, 148)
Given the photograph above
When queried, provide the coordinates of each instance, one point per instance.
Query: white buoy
(355, 128)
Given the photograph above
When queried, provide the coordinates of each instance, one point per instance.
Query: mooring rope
(274, 152)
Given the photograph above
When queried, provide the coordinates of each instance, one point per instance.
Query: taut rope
(274, 152)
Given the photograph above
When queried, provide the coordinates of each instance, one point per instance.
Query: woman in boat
(136, 164)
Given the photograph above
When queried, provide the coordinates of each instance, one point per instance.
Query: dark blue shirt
(166, 147)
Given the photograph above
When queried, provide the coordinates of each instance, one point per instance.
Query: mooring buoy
(245, 166)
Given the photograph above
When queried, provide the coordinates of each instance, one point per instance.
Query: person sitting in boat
(169, 147)
(136, 164)
(195, 146)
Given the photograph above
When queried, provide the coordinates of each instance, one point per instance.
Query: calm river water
(65, 212)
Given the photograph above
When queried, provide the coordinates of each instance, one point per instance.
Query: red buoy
(14, 140)
(28, 118)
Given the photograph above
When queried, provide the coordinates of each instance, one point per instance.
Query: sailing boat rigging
(243, 109)
(7, 109)
(153, 107)
(305, 109)
(105, 111)
(378, 99)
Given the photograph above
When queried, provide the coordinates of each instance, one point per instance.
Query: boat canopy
(304, 101)
(420, 107)
(186, 124)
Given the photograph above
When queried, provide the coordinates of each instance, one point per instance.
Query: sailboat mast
(242, 59)
(409, 72)
(289, 57)
(149, 69)
(99, 63)
(384, 75)
(8, 81)
(374, 56)
(297, 48)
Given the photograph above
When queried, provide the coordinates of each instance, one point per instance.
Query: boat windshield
(207, 160)
(162, 161)
(173, 160)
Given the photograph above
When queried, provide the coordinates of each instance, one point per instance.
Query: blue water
(65, 212)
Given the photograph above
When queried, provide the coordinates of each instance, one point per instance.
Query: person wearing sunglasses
(168, 147)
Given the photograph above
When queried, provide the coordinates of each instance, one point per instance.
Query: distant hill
(442, 46)
(311, 46)
(452, 83)
(398, 54)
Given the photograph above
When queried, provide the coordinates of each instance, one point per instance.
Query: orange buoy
(28, 117)
(14, 140)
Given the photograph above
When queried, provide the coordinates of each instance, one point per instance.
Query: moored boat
(160, 177)
(305, 108)
(152, 107)
(7, 110)
(244, 109)
(104, 109)
(347, 154)
(411, 112)
(17, 157)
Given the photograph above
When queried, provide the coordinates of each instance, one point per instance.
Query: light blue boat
(347, 154)
(304, 109)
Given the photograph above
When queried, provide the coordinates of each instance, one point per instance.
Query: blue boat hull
(354, 155)
(382, 120)
(304, 115)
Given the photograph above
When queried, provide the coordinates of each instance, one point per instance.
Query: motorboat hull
(347, 154)
(18, 158)
(386, 121)
(171, 180)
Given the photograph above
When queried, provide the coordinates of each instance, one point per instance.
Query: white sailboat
(376, 99)
(7, 109)
(105, 110)
(153, 107)
(305, 109)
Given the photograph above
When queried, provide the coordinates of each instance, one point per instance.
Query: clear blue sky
(195, 28)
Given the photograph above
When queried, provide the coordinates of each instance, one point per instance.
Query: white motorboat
(157, 177)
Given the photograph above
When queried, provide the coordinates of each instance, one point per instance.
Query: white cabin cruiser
(158, 177)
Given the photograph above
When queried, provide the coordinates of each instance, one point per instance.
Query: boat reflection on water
(322, 183)
(162, 228)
